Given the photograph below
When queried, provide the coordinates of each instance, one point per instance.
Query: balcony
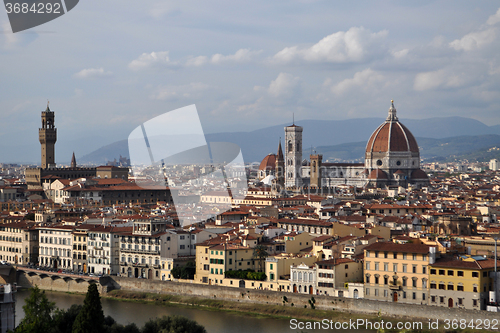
(152, 252)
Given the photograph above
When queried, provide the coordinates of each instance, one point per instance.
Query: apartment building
(56, 246)
(140, 248)
(397, 272)
(19, 243)
(461, 281)
(104, 250)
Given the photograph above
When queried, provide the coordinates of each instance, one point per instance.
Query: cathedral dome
(392, 136)
(268, 163)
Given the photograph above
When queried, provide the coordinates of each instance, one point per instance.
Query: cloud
(13, 40)
(242, 55)
(187, 91)
(475, 40)
(365, 78)
(196, 61)
(354, 45)
(443, 78)
(284, 86)
(494, 19)
(147, 60)
(92, 73)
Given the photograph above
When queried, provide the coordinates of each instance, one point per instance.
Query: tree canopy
(42, 316)
(38, 313)
(90, 319)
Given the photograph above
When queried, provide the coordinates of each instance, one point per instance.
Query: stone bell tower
(48, 137)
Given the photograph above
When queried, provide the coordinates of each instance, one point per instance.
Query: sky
(108, 66)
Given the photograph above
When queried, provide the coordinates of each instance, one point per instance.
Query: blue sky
(107, 66)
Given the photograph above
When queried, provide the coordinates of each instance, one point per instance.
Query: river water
(214, 321)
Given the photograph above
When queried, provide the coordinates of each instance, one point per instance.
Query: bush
(246, 275)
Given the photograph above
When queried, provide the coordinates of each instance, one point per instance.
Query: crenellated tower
(48, 137)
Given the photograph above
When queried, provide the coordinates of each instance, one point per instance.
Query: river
(214, 321)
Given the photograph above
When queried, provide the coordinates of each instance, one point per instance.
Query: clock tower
(48, 137)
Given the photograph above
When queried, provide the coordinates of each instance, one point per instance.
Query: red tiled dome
(419, 174)
(268, 163)
(392, 136)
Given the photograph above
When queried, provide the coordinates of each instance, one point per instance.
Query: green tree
(64, 319)
(172, 324)
(260, 253)
(38, 313)
(91, 318)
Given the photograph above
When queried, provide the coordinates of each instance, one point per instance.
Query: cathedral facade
(392, 158)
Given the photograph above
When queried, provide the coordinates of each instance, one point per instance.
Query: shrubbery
(246, 275)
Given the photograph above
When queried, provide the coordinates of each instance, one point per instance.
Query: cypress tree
(91, 317)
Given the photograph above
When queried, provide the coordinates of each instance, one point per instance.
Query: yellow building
(278, 268)
(213, 260)
(461, 281)
(397, 272)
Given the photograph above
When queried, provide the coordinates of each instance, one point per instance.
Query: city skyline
(245, 67)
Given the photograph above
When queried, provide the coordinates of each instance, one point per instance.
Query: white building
(56, 246)
(494, 165)
(303, 279)
(103, 250)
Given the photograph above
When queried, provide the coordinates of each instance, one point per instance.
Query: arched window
(290, 146)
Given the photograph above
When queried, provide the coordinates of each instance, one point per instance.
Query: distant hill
(347, 136)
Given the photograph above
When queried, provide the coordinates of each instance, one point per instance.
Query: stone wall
(56, 284)
(360, 306)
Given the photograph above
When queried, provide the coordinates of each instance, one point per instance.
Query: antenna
(293, 118)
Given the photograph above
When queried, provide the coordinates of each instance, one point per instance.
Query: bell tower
(48, 137)
(293, 156)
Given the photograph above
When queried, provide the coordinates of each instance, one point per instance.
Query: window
(441, 299)
(376, 292)
(414, 256)
(441, 286)
(433, 285)
(376, 254)
(367, 292)
(450, 287)
(414, 284)
(424, 269)
(395, 267)
(404, 282)
(460, 288)
(376, 266)
(367, 279)
(404, 294)
(433, 299)
(404, 256)
(414, 269)
(475, 274)
(474, 289)
(182, 247)
(386, 255)
(450, 272)
(460, 301)
(441, 272)
(368, 265)
(433, 271)
(376, 279)
(386, 267)
(405, 266)
(386, 280)
(395, 255)
(424, 283)
(423, 296)
(474, 302)
(485, 274)
(367, 254)
(460, 273)
(414, 295)
(386, 293)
